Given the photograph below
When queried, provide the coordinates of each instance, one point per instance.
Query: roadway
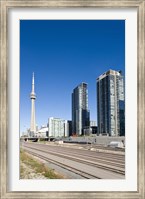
(84, 163)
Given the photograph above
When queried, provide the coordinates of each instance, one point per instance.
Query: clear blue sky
(62, 54)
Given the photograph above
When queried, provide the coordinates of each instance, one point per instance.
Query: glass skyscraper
(110, 103)
(80, 112)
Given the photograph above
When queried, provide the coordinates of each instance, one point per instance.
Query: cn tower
(33, 97)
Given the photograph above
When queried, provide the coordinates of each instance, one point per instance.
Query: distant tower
(33, 97)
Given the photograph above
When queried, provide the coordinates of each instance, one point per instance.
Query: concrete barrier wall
(102, 140)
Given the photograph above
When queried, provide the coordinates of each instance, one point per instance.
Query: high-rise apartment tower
(80, 112)
(58, 127)
(110, 103)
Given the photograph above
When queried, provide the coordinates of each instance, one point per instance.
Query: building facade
(80, 112)
(93, 123)
(57, 127)
(90, 130)
(111, 104)
(69, 128)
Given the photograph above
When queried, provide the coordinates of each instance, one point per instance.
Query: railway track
(71, 169)
(94, 162)
(118, 168)
(97, 156)
(118, 159)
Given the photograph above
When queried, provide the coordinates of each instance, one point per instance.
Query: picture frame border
(5, 5)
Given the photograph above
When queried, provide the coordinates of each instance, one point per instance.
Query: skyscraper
(110, 103)
(33, 122)
(80, 112)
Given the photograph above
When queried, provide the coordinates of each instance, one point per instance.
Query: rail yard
(80, 161)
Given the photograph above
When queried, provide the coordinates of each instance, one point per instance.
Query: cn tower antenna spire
(33, 82)
(33, 97)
